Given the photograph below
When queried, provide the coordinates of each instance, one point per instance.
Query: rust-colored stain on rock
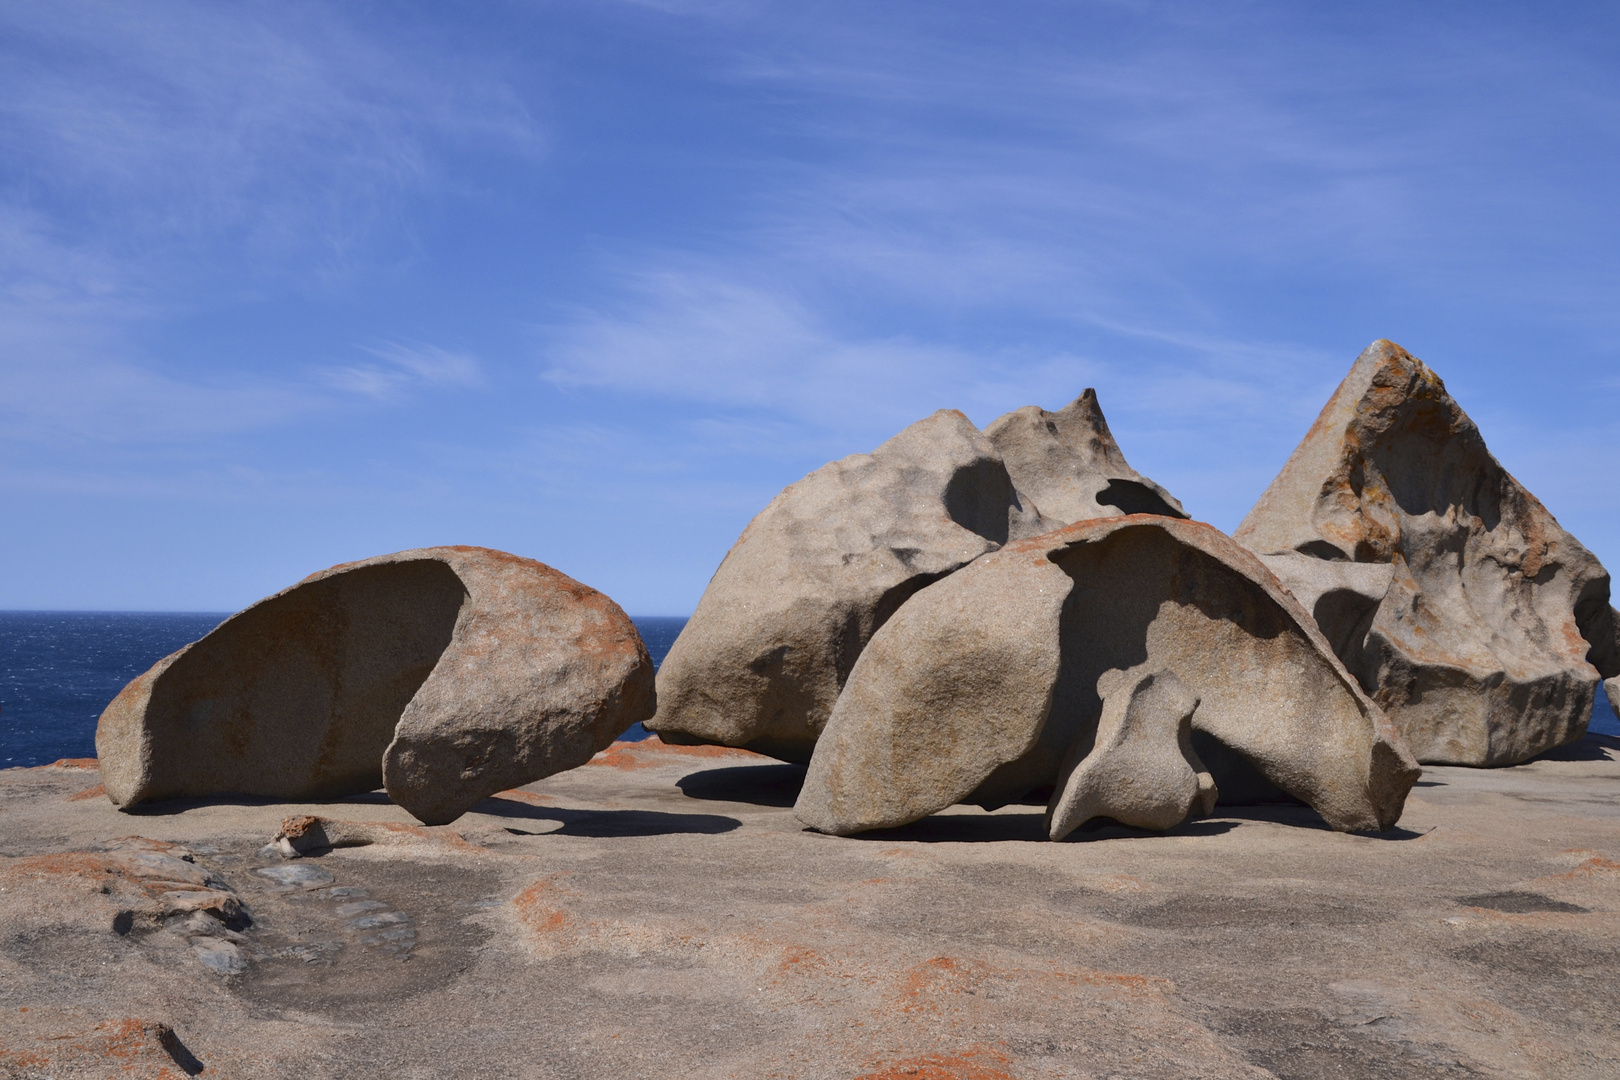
(97, 792)
(653, 752)
(975, 1063)
(72, 763)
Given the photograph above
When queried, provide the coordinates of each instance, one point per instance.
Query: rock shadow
(1594, 747)
(758, 785)
(1030, 827)
(607, 823)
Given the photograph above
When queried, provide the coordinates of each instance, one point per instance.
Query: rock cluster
(442, 674)
(1469, 615)
(1011, 615)
(827, 563)
(1080, 662)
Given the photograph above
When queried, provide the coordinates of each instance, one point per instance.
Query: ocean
(59, 669)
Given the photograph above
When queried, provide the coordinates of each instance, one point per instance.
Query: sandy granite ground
(660, 912)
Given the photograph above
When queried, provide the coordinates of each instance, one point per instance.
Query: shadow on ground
(603, 823)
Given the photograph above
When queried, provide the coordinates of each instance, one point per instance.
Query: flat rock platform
(661, 913)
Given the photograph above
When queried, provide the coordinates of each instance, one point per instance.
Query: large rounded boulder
(442, 674)
(1091, 663)
(815, 574)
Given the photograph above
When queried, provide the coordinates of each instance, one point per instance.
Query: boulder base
(444, 674)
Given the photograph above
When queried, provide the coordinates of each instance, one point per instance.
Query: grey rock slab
(1611, 687)
(382, 918)
(1140, 769)
(1069, 464)
(985, 683)
(443, 674)
(359, 907)
(218, 956)
(1488, 641)
(297, 875)
(816, 572)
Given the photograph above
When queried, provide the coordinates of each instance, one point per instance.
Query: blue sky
(287, 284)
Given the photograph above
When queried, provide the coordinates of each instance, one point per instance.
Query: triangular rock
(1478, 623)
(782, 622)
(1068, 463)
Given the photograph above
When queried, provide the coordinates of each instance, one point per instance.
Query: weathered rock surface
(1141, 769)
(1068, 463)
(660, 912)
(985, 683)
(776, 633)
(444, 674)
(1482, 644)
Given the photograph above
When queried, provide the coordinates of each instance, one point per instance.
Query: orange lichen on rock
(975, 1063)
(97, 792)
(653, 752)
(72, 763)
(131, 1047)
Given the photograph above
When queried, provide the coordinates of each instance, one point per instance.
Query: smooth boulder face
(986, 683)
(1069, 465)
(1141, 769)
(1486, 643)
(781, 624)
(443, 674)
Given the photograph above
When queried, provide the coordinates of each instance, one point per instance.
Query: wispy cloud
(402, 366)
(158, 160)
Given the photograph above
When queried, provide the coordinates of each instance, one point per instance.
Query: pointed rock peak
(1481, 639)
(1391, 414)
(1068, 463)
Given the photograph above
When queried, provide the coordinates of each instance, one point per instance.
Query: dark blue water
(58, 670)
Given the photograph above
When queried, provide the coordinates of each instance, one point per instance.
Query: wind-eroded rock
(444, 674)
(1068, 463)
(1450, 592)
(776, 633)
(1141, 768)
(987, 682)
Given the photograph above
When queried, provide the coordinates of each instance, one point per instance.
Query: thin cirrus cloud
(159, 161)
(402, 366)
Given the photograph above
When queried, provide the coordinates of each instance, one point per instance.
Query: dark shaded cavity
(1134, 498)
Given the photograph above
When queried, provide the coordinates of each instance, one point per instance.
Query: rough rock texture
(660, 912)
(1481, 647)
(1068, 463)
(986, 682)
(1612, 688)
(776, 633)
(1141, 769)
(444, 674)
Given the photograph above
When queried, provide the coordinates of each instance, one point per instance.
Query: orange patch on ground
(535, 910)
(653, 752)
(97, 792)
(977, 1063)
(1595, 865)
(72, 763)
(63, 864)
